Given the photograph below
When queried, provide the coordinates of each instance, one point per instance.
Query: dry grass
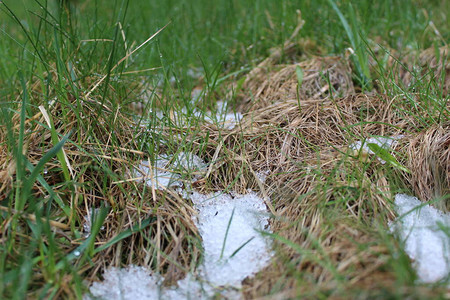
(430, 65)
(416, 69)
(428, 156)
(170, 242)
(323, 77)
(325, 198)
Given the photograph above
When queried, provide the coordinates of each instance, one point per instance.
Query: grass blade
(226, 234)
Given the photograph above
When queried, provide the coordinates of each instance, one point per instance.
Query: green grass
(51, 59)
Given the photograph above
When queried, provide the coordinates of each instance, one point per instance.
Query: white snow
(262, 175)
(131, 283)
(158, 174)
(384, 142)
(222, 117)
(166, 170)
(227, 120)
(87, 225)
(425, 242)
(230, 226)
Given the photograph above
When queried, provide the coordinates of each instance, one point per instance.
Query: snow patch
(420, 227)
(166, 170)
(88, 222)
(222, 117)
(230, 226)
(231, 231)
(227, 120)
(384, 142)
(158, 174)
(131, 283)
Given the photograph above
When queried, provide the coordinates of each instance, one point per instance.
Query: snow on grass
(131, 283)
(421, 227)
(384, 142)
(222, 117)
(87, 225)
(230, 226)
(167, 169)
(227, 120)
(158, 174)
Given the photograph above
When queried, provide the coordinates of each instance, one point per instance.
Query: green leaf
(98, 218)
(242, 246)
(386, 156)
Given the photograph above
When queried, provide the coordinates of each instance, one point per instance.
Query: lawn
(166, 146)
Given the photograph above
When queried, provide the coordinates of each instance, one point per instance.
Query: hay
(304, 147)
(323, 77)
(285, 132)
(428, 158)
(170, 240)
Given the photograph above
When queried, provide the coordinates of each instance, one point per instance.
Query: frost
(425, 241)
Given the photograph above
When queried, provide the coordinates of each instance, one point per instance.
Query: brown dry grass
(428, 158)
(305, 149)
(322, 77)
(169, 243)
(284, 133)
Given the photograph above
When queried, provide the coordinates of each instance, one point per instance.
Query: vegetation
(89, 89)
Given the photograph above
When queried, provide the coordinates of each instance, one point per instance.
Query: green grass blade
(28, 184)
(386, 156)
(226, 234)
(124, 234)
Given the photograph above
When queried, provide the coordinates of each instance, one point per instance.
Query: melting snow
(131, 283)
(223, 118)
(230, 227)
(227, 120)
(383, 142)
(158, 174)
(163, 172)
(88, 222)
(425, 240)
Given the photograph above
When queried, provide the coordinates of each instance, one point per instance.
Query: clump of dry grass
(169, 243)
(428, 158)
(285, 132)
(324, 197)
(431, 65)
(321, 78)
